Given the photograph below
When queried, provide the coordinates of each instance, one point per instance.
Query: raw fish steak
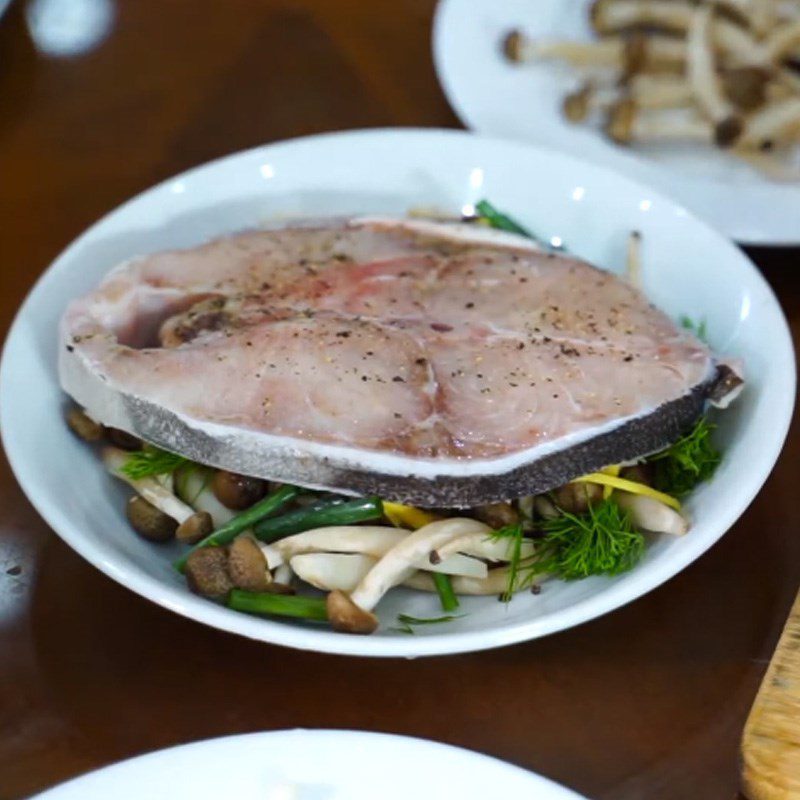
(444, 365)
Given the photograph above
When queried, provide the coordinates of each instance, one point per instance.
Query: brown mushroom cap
(746, 87)
(728, 130)
(148, 521)
(576, 104)
(619, 125)
(207, 572)
(345, 616)
(513, 46)
(497, 515)
(577, 497)
(247, 565)
(84, 426)
(195, 528)
(641, 473)
(235, 491)
(123, 439)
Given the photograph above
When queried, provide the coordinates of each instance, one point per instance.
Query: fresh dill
(151, 461)
(697, 328)
(406, 622)
(690, 461)
(602, 541)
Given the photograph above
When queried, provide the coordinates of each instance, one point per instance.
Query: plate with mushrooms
(279, 554)
(275, 765)
(701, 100)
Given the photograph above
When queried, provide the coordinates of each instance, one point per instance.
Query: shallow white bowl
(688, 269)
(310, 765)
(496, 98)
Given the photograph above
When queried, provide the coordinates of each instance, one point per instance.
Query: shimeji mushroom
(627, 124)
(633, 259)
(192, 525)
(649, 514)
(393, 568)
(247, 565)
(705, 83)
(330, 571)
(628, 54)
(83, 426)
(368, 540)
(235, 491)
(193, 486)
(496, 582)
(148, 521)
(772, 123)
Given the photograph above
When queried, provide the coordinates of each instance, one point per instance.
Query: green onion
(279, 605)
(231, 529)
(444, 588)
(332, 512)
(406, 622)
(497, 219)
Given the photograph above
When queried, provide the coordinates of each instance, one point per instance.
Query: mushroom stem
(774, 122)
(651, 515)
(626, 124)
(149, 488)
(398, 563)
(496, 582)
(633, 259)
(705, 83)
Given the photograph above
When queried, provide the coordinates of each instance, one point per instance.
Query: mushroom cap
(195, 528)
(207, 572)
(83, 426)
(576, 104)
(247, 565)
(513, 46)
(619, 125)
(148, 521)
(236, 491)
(345, 616)
(728, 130)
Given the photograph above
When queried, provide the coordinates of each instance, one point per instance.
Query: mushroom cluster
(717, 72)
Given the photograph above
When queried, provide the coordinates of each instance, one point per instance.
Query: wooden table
(648, 702)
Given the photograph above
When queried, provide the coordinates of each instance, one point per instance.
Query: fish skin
(372, 340)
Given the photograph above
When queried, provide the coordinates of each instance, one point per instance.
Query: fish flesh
(438, 364)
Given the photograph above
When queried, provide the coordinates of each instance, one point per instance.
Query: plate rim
(319, 736)
(274, 632)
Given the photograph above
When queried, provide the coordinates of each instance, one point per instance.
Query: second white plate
(524, 102)
(310, 765)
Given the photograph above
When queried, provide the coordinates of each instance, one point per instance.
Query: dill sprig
(406, 622)
(151, 461)
(602, 541)
(689, 461)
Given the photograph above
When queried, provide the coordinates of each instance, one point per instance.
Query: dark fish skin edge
(634, 439)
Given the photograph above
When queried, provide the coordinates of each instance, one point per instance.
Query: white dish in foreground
(688, 269)
(496, 98)
(310, 765)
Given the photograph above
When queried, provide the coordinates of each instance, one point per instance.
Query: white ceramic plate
(688, 269)
(494, 97)
(310, 765)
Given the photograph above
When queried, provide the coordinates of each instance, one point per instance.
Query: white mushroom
(651, 515)
(633, 259)
(481, 544)
(496, 582)
(368, 540)
(329, 571)
(545, 507)
(150, 489)
(283, 574)
(774, 122)
(193, 486)
(398, 564)
(705, 83)
(627, 124)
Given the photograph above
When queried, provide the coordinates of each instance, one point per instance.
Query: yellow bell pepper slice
(407, 516)
(613, 470)
(634, 487)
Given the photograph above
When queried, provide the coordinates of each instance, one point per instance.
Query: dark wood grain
(648, 702)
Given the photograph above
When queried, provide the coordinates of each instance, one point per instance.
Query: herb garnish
(497, 219)
(691, 460)
(151, 461)
(406, 621)
(602, 541)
